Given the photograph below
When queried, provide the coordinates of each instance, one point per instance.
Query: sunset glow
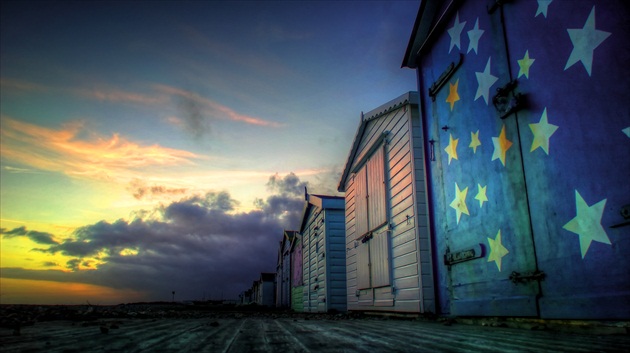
(169, 150)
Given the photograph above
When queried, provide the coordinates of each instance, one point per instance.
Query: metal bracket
(517, 278)
(505, 104)
(441, 81)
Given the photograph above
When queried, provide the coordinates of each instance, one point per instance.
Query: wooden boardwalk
(265, 334)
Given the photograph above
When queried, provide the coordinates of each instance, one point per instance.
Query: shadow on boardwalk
(165, 327)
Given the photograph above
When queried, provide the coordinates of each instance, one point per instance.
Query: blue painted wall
(542, 189)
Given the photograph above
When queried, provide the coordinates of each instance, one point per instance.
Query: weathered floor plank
(268, 334)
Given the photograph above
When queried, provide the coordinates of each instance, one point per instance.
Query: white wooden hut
(323, 253)
(388, 247)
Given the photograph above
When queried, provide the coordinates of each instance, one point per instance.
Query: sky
(153, 146)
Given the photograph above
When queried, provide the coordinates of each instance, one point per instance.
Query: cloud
(19, 85)
(198, 110)
(101, 93)
(100, 157)
(35, 236)
(193, 245)
(140, 190)
(16, 170)
(289, 185)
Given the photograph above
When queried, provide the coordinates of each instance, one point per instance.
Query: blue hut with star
(526, 132)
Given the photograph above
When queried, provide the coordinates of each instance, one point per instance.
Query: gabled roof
(427, 23)
(407, 98)
(289, 234)
(323, 202)
(296, 240)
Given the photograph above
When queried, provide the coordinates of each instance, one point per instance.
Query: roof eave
(405, 99)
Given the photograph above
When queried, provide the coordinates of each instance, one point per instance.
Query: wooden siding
(377, 214)
(297, 298)
(336, 259)
(324, 260)
(393, 273)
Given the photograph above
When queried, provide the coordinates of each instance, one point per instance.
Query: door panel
(575, 151)
(538, 230)
(479, 190)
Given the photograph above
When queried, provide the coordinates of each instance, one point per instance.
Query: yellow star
(497, 250)
(481, 194)
(451, 149)
(452, 94)
(459, 203)
(501, 145)
(474, 141)
(542, 132)
(524, 64)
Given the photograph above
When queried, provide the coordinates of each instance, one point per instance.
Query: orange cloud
(100, 158)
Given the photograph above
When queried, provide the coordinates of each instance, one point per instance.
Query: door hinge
(517, 277)
(441, 81)
(506, 103)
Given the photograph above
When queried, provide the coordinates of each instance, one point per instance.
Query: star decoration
(474, 35)
(459, 203)
(585, 40)
(481, 194)
(524, 64)
(474, 141)
(501, 145)
(451, 149)
(587, 223)
(485, 80)
(542, 132)
(452, 94)
(455, 33)
(543, 6)
(497, 250)
(626, 131)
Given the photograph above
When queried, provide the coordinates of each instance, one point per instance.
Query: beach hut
(323, 253)
(297, 279)
(388, 249)
(527, 137)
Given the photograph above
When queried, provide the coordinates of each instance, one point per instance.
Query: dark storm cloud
(196, 245)
(38, 237)
(140, 190)
(289, 185)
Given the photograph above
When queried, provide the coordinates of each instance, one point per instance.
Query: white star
(543, 6)
(587, 223)
(455, 33)
(585, 40)
(474, 35)
(485, 80)
(542, 132)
